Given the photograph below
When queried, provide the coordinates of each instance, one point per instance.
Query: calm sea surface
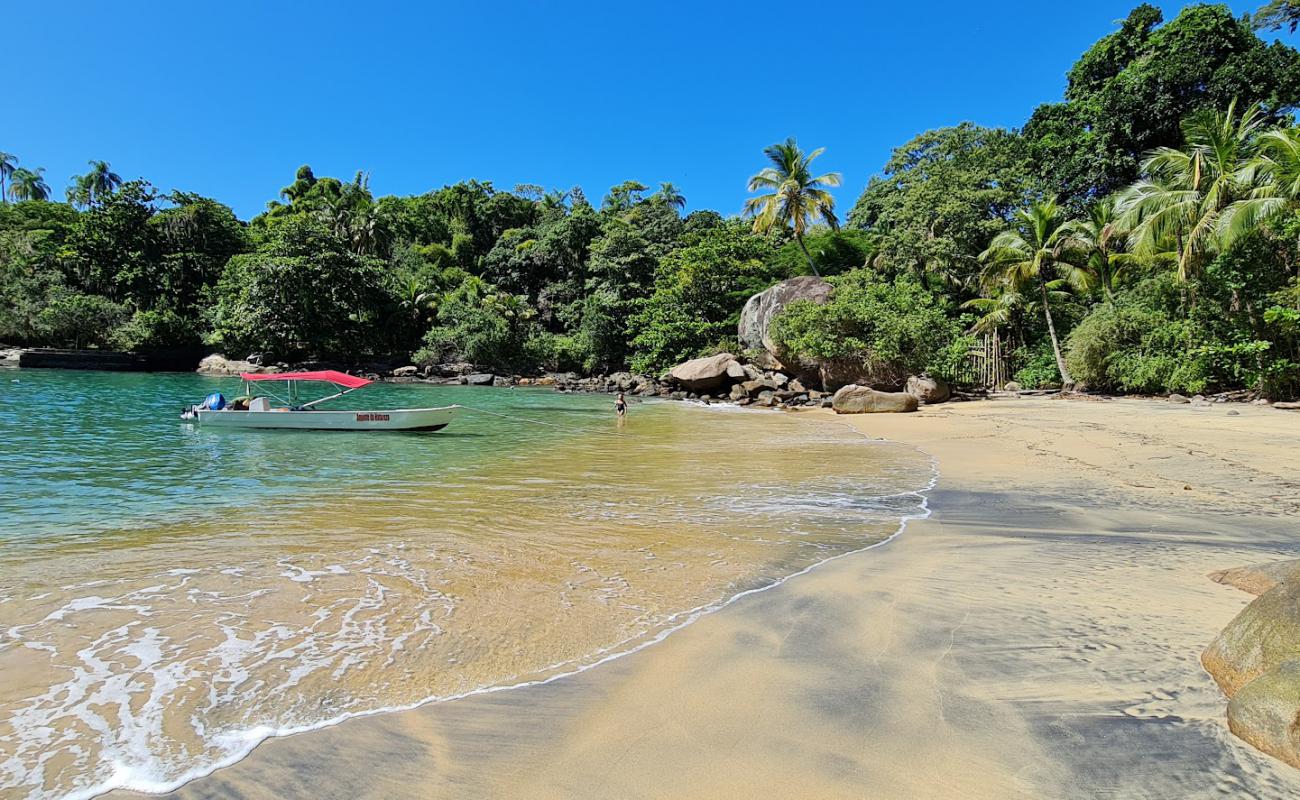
(171, 596)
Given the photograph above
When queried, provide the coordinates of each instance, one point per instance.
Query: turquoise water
(170, 596)
(90, 452)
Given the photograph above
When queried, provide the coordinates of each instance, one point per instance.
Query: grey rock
(702, 374)
(1012, 386)
(406, 372)
(1178, 398)
(217, 364)
(928, 390)
(854, 399)
(479, 379)
(756, 317)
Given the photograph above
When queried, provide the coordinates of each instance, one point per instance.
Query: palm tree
(27, 184)
(101, 181)
(795, 198)
(670, 196)
(78, 192)
(8, 163)
(1035, 250)
(1101, 236)
(1275, 178)
(1181, 203)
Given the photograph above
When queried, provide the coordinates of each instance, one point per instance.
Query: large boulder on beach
(217, 364)
(479, 379)
(854, 399)
(703, 374)
(1263, 635)
(1263, 712)
(928, 390)
(757, 315)
(1257, 578)
(1256, 659)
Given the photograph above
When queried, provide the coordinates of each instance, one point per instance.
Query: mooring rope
(514, 418)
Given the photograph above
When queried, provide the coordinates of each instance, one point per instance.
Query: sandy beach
(1037, 636)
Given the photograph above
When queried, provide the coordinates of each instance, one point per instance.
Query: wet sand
(1038, 636)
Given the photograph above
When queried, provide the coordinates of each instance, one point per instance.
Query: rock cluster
(723, 377)
(1256, 659)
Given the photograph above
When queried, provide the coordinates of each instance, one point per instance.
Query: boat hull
(397, 419)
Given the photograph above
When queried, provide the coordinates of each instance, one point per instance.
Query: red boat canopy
(325, 376)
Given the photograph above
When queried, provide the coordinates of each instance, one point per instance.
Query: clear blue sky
(228, 98)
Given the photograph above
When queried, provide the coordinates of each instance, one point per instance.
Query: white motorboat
(258, 412)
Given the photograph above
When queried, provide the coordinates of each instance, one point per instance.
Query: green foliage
(82, 320)
(478, 323)
(302, 292)
(792, 198)
(942, 199)
(897, 324)
(835, 252)
(1037, 366)
(155, 329)
(1128, 94)
(1278, 14)
(698, 295)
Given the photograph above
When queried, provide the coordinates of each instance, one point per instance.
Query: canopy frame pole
(331, 397)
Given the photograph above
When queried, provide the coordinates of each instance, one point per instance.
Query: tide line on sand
(242, 743)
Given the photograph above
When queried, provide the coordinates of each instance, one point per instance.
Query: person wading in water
(620, 405)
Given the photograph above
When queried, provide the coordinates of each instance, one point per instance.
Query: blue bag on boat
(215, 401)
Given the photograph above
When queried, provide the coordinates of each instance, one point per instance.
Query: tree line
(1141, 234)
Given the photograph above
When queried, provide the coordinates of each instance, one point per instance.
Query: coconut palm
(78, 192)
(8, 163)
(1103, 239)
(669, 195)
(101, 181)
(1036, 250)
(28, 184)
(1274, 176)
(1181, 202)
(794, 198)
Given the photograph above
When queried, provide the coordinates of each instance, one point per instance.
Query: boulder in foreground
(1256, 659)
(854, 399)
(704, 374)
(1257, 578)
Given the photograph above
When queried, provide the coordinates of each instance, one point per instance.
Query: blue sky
(227, 99)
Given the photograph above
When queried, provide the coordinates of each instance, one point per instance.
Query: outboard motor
(215, 402)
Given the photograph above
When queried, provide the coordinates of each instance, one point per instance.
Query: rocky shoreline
(722, 378)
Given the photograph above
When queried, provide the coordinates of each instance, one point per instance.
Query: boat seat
(259, 404)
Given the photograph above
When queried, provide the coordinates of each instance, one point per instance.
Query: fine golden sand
(1038, 636)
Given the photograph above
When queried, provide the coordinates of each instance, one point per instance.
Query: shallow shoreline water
(1036, 637)
(208, 627)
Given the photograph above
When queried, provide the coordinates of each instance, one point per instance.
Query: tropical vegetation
(1141, 234)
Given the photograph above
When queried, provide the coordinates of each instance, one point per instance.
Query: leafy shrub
(698, 294)
(1136, 344)
(1038, 370)
(476, 323)
(80, 320)
(155, 330)
(303, 290)
(897, 324)
(834, 252)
